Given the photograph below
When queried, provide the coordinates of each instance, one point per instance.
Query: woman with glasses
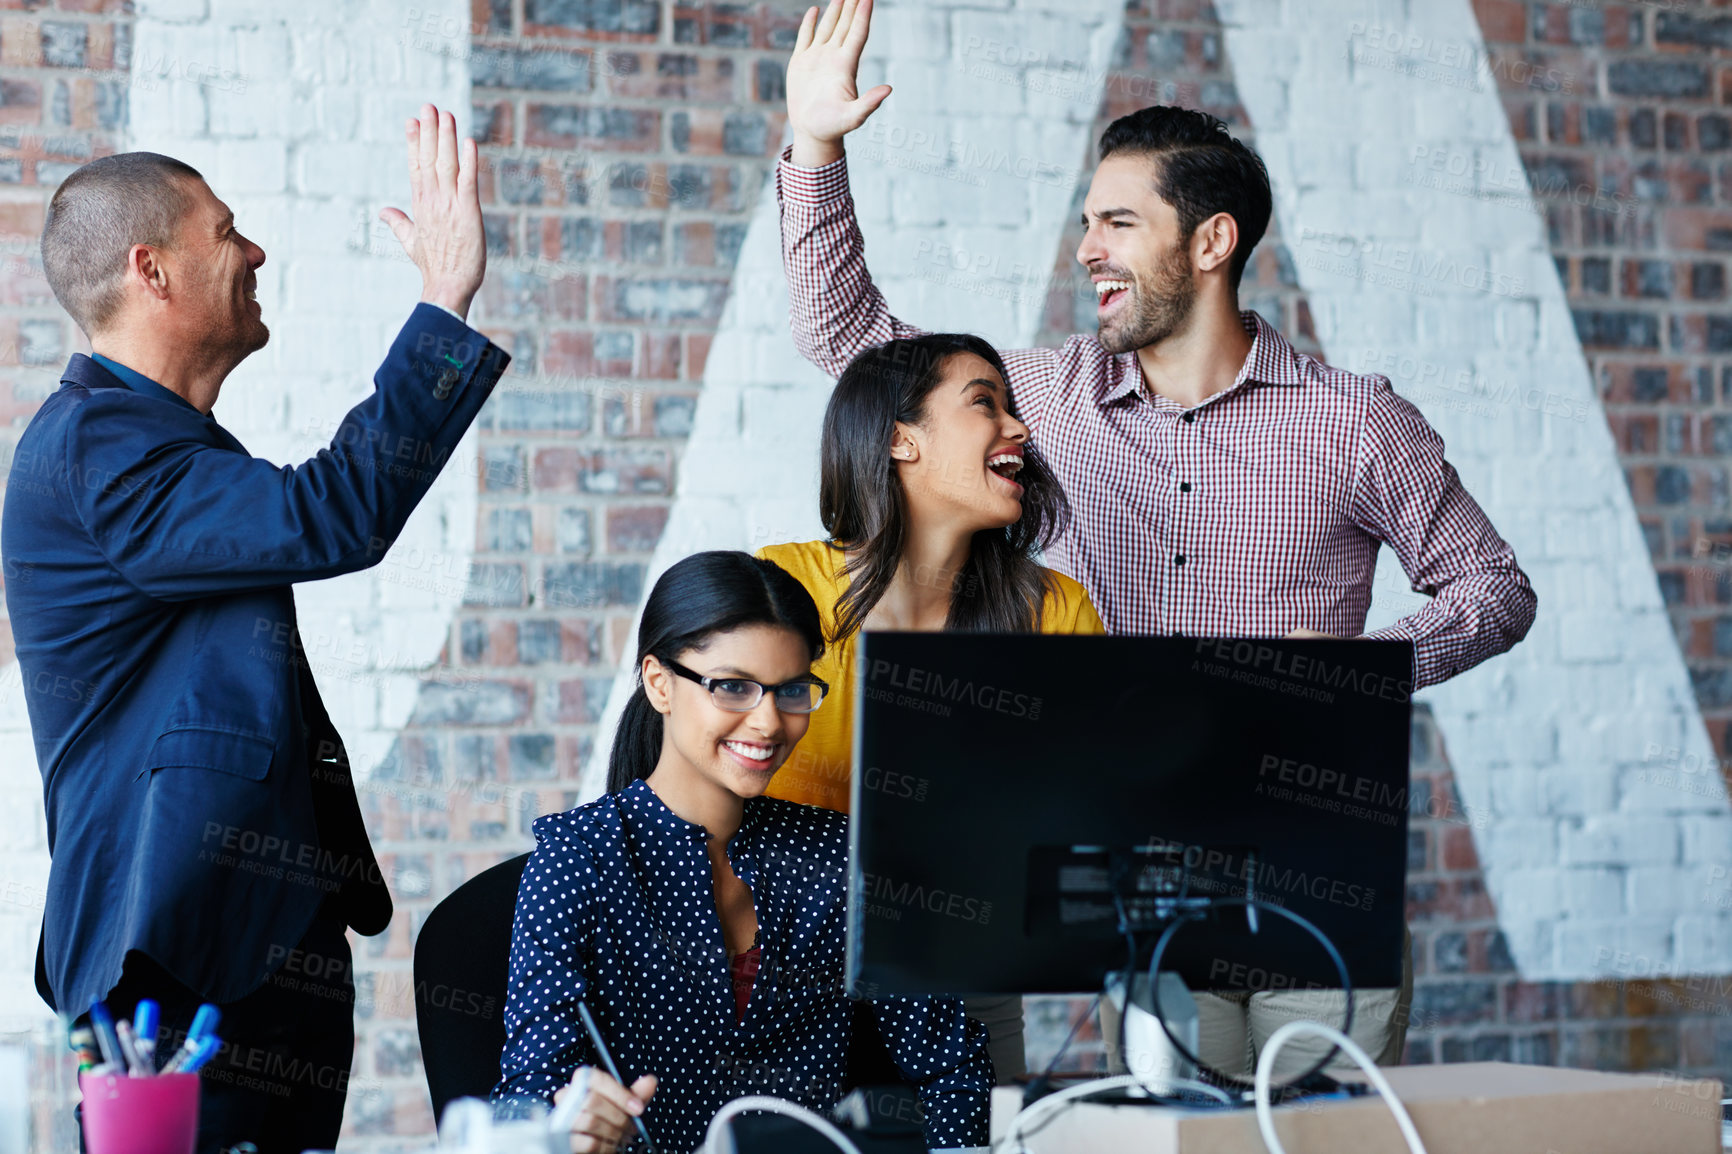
(700, 922)
(936, 506)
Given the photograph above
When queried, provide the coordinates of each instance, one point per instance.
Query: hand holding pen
(597, 1112)
(596, 1107)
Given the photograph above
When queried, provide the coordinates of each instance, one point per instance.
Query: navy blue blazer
(199, 801)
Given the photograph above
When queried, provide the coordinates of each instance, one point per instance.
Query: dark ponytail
(701, 595)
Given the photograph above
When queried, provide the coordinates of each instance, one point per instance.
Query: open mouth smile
(1110, 292)
(752, 755)
(1005, 466)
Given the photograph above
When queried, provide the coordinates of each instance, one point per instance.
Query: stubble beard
(1157, 314)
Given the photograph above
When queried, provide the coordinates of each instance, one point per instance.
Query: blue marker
(144, 1025)
(204, 1024)
(207, 1049)
(106, 1039)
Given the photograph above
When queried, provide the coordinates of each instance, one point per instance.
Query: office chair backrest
(462, 966)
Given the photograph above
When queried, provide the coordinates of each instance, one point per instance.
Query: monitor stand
(1149, 1056)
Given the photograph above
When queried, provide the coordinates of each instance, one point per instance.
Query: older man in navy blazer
(204, 828)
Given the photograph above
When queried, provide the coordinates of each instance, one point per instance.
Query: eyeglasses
(742, 694)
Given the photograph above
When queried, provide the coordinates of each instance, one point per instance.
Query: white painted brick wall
(306, 152)
(755, 434)
(1562, 731)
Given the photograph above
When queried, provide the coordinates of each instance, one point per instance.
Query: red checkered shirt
(1255, 513)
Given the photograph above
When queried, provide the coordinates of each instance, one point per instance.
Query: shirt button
(1189, 417)
(1179, 560)
(1184, 486)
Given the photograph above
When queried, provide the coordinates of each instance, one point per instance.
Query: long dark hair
(1001, 589)
(698, 597)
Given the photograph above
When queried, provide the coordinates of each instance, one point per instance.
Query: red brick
(702, 131)
(572, 701)
(21, 219)
(1618, 30)
(1697, 229)
(495, 121)
(1504, 21)
(99, 45)
(23, 105)
(695, 243)
(635, 528)
(661, 356)
(20, 42)
(570, 354)
(609, 471)
(697, 354)
(555, 471)
(581, 642)
(1456, 849)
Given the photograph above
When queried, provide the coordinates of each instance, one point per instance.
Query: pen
(144, 1023)
(102, 1022)
(129, 1053)
(207, 1049)
(204, 1024)
(607, 1060)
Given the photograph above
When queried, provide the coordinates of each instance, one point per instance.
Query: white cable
(715, 1142)
(1033, 1110)
(1162, 1087)
(1266, 1069)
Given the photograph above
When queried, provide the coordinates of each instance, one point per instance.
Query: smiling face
(213, 273)
(705, 745)
(1141, 266)
(959, 463)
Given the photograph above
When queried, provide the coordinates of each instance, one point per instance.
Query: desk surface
(1469, 1108)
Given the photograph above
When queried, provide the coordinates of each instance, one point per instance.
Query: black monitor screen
(1013, 795)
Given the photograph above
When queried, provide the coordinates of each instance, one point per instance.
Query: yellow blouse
(821, 766)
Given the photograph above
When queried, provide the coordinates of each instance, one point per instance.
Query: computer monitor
(1004, 784)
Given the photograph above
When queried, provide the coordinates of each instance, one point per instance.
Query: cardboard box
(1470, 1108)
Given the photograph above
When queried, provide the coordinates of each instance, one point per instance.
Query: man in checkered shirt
(1222, 484)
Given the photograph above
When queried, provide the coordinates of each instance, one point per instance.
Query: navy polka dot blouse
(616, 908)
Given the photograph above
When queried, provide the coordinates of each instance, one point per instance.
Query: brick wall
(625, 149)
(1619, 111)
(1636, 176)
(63, 99)
(64, 89)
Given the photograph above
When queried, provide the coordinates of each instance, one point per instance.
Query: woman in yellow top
(936, 505)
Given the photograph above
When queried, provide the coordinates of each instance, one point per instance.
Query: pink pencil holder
(140, 1115)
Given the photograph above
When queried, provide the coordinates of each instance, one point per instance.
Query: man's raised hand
(444, 238)
(823, 103)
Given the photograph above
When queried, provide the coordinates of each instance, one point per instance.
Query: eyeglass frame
(763, 690)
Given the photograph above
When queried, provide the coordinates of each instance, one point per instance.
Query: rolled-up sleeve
(942, 1052)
